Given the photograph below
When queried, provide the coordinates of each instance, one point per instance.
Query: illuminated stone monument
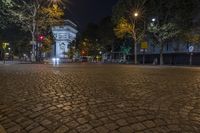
(63, 36)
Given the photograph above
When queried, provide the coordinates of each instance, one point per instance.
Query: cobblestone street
(99, 99)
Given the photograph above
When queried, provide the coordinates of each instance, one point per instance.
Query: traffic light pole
(33, 51)
(39, 44)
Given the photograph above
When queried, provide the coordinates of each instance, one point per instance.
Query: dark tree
(106, 34)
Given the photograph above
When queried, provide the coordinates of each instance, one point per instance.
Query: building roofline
(70, 22)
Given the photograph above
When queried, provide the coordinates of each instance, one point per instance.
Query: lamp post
(9, 52)
(136, 14)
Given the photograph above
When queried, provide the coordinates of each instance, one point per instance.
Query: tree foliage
(96, 38)
(3, 12)
(47, 43)
(164, 32)
(125, 20)
(192, 37)
(126, 8)
(50, 16)
(129, 21)
(123, 28)
(35, 15)
(106, 34)
(172, 18)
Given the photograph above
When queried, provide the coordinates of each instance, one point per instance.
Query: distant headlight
(55, 59)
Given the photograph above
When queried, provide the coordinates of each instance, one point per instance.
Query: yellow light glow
(136, 14)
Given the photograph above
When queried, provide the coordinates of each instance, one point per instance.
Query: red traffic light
(41, 38)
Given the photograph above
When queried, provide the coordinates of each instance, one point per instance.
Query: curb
(2, 129)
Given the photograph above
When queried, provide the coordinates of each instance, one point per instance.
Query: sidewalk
(13, 62)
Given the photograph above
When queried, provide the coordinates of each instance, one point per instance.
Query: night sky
(84, 11)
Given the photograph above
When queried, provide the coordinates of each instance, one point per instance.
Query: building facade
(174, 52)
(63, 36)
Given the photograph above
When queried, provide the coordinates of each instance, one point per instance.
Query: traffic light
(41, 38)
(83, 52)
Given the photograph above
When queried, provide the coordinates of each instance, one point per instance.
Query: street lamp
(153, 20)
(9, 50)
(136, 14)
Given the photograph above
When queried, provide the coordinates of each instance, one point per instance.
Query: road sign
(191, 49)
(144, 45)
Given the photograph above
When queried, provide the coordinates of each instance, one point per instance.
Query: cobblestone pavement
(99, 99)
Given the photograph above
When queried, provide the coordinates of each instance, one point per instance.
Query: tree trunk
(4, 59)
(33, 47)
(33, 31)
(161, 53)
(112, 50)
(124, 57)
(135, 49)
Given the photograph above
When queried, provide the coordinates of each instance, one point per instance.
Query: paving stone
(72, 124)
(82, 120)
(73, 131)
(67, 108)
(121, 122)
(84, 128)
(26, 123)
(45, 131)
(149, 124)
(96, 123)
(114, 117)
(38, 109)
(132, 120)
(99, 98)
(138, 127)
(102, 129)
(45, 122)
(92, 131)
(37, 129)
(159, 122)
(174, 127)
(115, 131)
(52, 108)
(14, 129)
(125, 130)
(62, 129)
(32, 126)
(60, 106)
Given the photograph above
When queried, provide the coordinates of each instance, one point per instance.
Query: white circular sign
(191, 48)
